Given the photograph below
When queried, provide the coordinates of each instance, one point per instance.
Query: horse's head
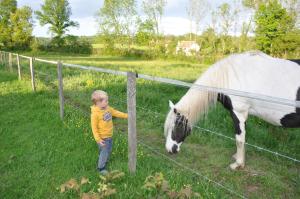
(177, 128)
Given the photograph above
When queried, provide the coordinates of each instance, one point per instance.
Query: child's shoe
(103, 172)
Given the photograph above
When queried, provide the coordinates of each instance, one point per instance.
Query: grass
(39, 152)
(72, 151)
(183, 70)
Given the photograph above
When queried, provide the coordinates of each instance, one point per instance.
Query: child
(102, 126)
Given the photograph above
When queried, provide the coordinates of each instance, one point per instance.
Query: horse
(252, 72)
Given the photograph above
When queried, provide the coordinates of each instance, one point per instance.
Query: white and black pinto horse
(253, 72)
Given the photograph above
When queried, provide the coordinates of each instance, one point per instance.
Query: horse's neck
(196, 102)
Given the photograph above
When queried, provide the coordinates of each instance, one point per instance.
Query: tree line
(272, 27)
(16, 28)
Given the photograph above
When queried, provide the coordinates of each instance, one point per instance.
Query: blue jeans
(104, 153)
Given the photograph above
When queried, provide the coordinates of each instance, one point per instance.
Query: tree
(273, 24)
(253, 4)
(22, 23)
(57, 14)
(197, 10)
(224, 11)
(154, 10)
(209, 42)
(145, 32)
(293, 8)
(6, 7)
(116, 19)
(226, 19)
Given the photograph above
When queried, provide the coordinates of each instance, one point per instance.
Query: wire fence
(53, 77)
(49, 77)
(156, 151)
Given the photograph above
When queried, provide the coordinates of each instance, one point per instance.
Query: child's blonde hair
(97, 95)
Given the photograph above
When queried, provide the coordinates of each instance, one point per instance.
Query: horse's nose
(174, 148)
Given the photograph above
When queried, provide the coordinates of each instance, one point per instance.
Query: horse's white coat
(253, 72)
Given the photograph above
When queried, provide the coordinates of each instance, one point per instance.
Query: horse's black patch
(292, 120)
(181, 129)
(295, 60)
(226, 101)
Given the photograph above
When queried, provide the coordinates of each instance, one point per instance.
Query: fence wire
(218, 184)
(68, 100)
(164, 80)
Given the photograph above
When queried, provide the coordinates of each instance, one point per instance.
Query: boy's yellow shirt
(101, 121)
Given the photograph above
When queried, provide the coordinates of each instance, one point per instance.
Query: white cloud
(174, 20)
(88, 26)
(175, 25)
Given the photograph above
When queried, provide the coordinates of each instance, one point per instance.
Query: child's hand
(101, 143)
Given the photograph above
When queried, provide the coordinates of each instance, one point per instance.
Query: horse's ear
(171, 105)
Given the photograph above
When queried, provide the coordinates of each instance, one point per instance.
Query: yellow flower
(89, 82)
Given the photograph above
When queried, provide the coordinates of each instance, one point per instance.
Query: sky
(174, 20)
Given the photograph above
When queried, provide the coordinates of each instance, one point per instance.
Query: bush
(67, 44)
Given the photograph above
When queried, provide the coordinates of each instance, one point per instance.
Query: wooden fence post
(10, 62)
(4, 59)
(131, 108)
(19, 67)
(1, 53)
(6, 62)
(32, 73)
(60, 90)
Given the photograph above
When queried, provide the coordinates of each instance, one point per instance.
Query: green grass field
(39, 152)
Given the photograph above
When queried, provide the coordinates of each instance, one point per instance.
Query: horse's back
(262, 74)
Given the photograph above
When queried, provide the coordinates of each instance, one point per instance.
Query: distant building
(187, 47)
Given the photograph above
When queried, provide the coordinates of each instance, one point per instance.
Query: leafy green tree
(209, 42)
(57, 14)
(117, 19)
(197, 10)
(226, 17)
(22, 23)
(145, 32)
(254, 4)
(273, 24)
(226, 20)
(154, 10)
(6, 8)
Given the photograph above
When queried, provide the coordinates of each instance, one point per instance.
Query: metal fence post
(60, 90)
(19, 67)
(32, 73)
(131, 108)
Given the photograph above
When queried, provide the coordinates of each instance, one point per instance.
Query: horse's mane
(196, 102)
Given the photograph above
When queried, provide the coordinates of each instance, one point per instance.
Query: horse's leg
(239, 118)
(239, 114)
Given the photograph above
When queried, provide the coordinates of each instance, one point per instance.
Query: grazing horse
(252, 72)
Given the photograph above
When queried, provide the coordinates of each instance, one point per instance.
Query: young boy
(102, 126)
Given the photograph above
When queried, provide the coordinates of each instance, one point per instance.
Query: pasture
(39, 152)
